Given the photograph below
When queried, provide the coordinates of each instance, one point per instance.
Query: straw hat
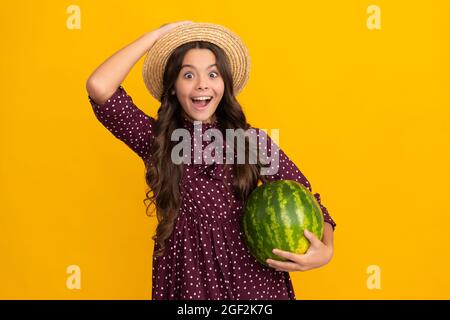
(230, 43)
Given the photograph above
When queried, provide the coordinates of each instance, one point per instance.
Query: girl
(199, 250)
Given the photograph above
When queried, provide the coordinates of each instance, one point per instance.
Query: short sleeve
(285, 169)
(126, 121)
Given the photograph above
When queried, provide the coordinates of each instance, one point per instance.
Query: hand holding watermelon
(278, 215)
(317, 255)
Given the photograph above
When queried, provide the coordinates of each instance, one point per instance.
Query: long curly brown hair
(162, 175)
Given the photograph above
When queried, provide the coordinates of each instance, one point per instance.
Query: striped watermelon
(275, 216)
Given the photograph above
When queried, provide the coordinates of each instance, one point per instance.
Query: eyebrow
(190, 65)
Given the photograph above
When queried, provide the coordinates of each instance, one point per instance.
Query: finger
(285, 266)
(297, 258)
(312, 238)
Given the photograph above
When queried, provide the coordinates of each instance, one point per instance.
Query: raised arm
(112, 105)
(105, 80)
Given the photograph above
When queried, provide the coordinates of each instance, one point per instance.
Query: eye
(186, 75)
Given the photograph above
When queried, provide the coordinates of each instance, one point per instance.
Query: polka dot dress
(206, 257)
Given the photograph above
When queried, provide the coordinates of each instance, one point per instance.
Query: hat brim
(230, 43)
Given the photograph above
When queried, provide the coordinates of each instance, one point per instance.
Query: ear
(173, 92)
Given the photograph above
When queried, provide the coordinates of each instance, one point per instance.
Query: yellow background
(363, 113)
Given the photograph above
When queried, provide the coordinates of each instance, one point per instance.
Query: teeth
(202, 98)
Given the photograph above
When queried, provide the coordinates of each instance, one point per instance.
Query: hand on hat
(167, 27)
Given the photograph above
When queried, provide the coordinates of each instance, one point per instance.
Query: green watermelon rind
(262, 249)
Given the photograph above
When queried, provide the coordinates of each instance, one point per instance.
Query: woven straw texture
(159, 53)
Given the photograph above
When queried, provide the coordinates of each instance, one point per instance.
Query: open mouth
(201, 103)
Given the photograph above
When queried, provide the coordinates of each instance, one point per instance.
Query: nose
(202, 82)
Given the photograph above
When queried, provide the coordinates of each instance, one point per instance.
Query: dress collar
(189, 124)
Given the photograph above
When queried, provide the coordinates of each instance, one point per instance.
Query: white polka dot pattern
(125, 121)
(206, 257)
